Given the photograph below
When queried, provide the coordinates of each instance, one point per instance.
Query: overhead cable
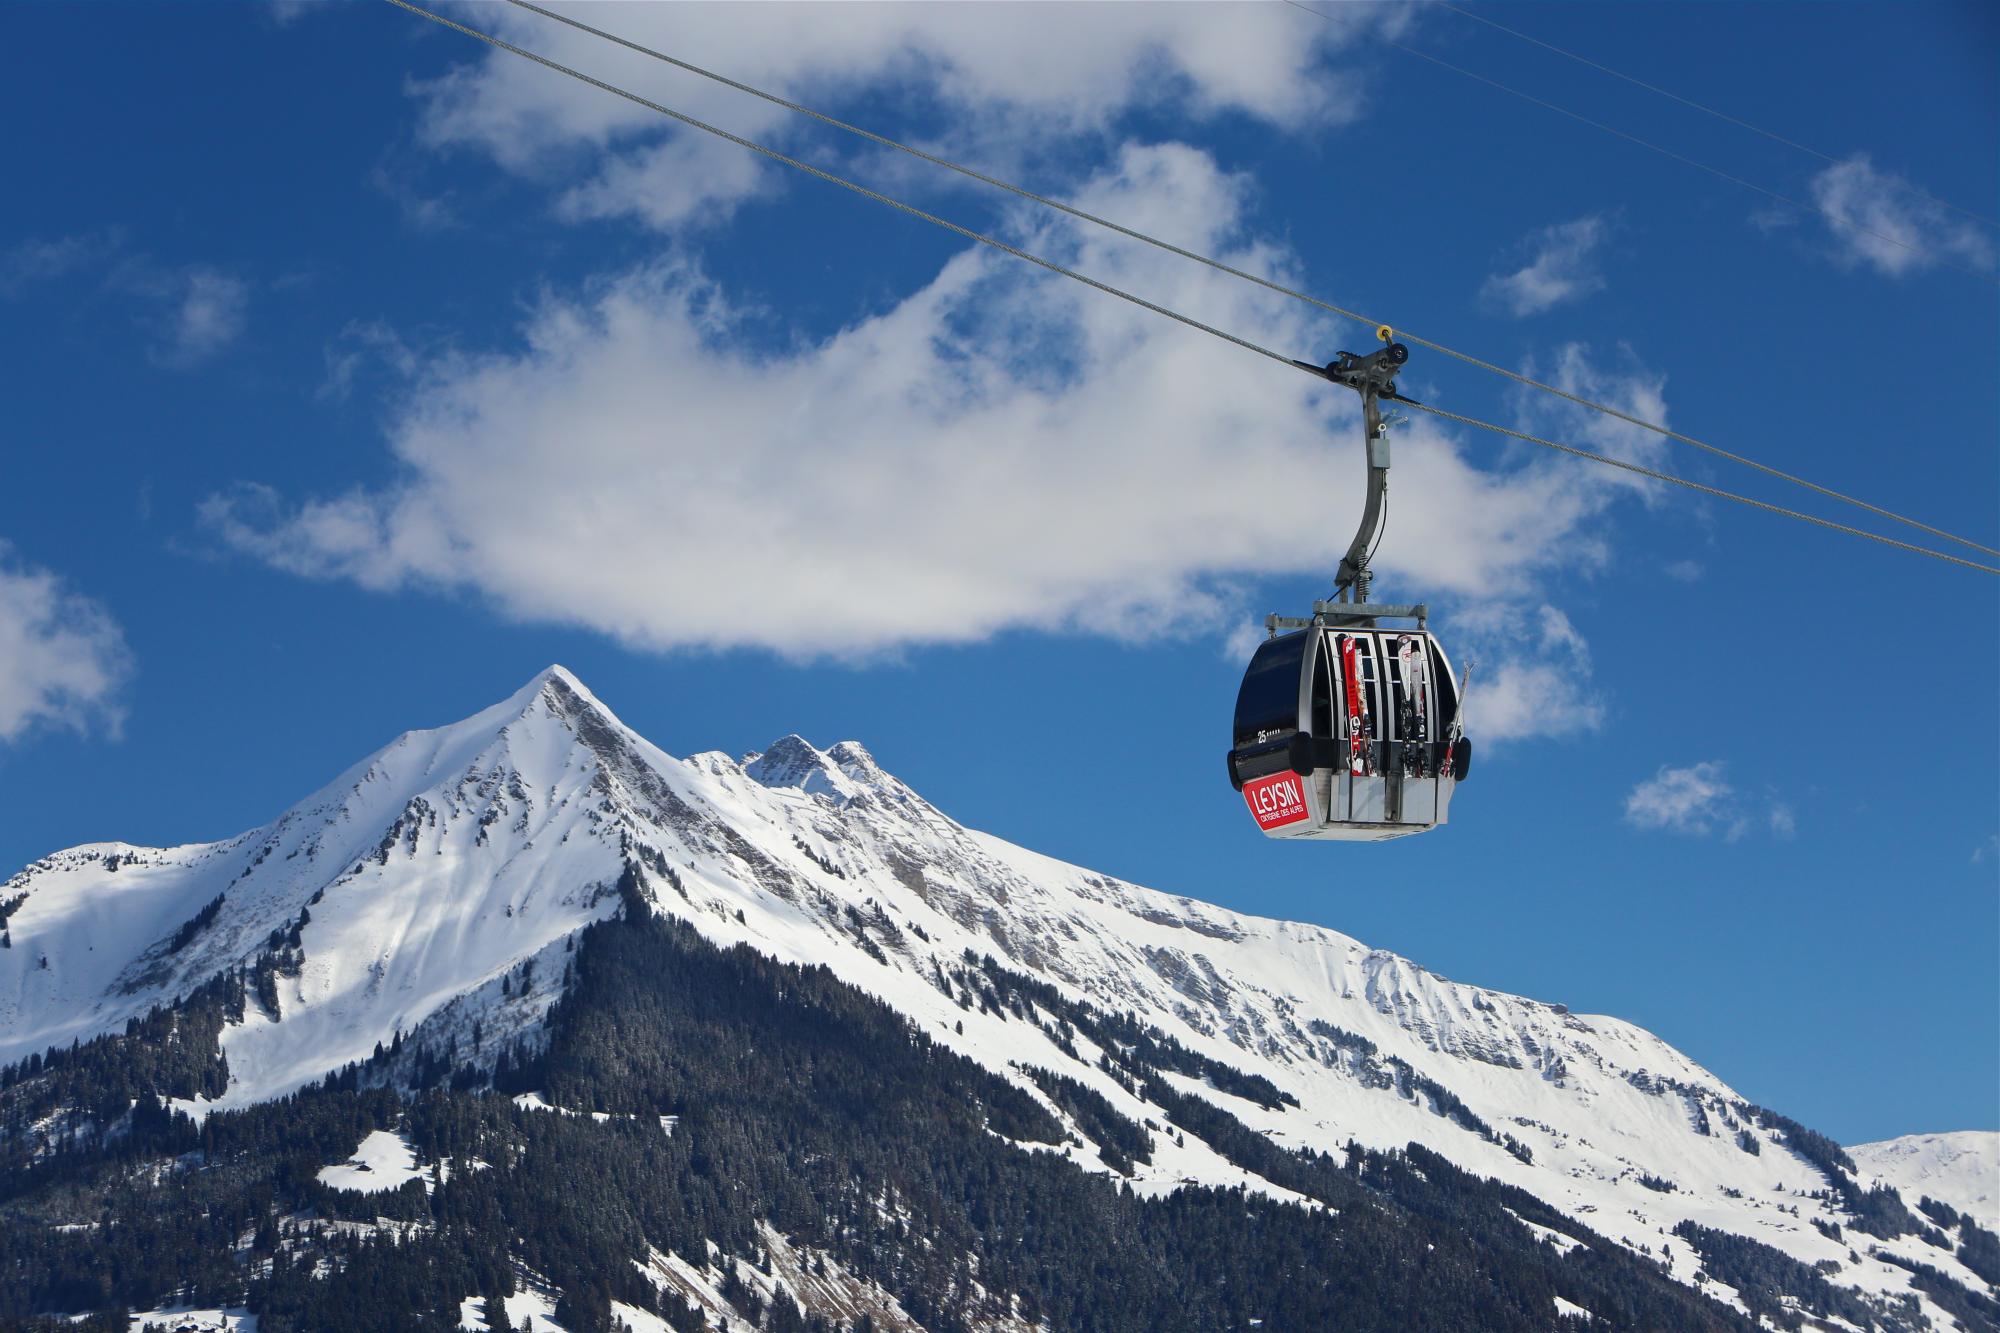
(1216, 264)
(1715, 491)
(1120, 293)
(841, 181)
(1886, 238)
(1670, 95)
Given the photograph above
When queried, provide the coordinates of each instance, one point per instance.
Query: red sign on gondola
(1277, 800)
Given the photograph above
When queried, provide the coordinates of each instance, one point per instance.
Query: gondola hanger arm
(1373, 376)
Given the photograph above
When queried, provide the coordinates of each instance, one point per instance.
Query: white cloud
(1772, 219)
(284, 13)
(1878, 219)
(34, 260)
(1700, 800)
(204, 311)
(1534, 676)
(683, 177)
(1050, 71)
(1634, 390)
(999, 450)
(1692, 800)
(358, 345)
(1563, 267)
(191, 311)
(62, 657)
(1240, 640)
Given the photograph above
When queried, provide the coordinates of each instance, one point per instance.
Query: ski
(1457, 720)
(1415, 720)
(1360, 724)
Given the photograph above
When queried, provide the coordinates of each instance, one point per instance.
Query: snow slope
(1961, 1169)
(433, 888)
(384, 1161)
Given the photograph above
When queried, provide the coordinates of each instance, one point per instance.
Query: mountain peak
(556, 692)
(556, 671)
(853, 759)
(790, 761)
(845, 771)
(557, 681)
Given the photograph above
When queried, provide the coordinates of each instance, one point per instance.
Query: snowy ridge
(1961, 1169)
(414, 873)
(432, 888)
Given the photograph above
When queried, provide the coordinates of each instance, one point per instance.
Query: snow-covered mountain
(1961, 1169)
(416, 892)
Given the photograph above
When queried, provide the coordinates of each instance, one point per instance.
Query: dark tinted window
(1322, 695)
(1269, 699)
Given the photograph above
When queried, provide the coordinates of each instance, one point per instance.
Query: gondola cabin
(1347, 732)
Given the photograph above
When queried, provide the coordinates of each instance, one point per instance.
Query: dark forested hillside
(803, 1106)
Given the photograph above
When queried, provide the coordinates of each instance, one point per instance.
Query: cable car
(1346, 729)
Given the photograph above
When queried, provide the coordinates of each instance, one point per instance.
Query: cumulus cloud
(1562, 267)
(63, 660)
(1879, 220)
(1534, 679)
(999, 450)
(1693, 799)
(1699, 800)
(1048, 71)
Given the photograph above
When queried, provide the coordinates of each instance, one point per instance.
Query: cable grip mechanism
(1373, 376)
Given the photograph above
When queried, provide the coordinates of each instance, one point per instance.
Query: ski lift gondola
(1348, 728)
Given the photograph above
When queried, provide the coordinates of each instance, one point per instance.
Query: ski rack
(1373, 377)
(1352, 615)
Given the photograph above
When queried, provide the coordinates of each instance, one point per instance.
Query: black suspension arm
(1373, 377)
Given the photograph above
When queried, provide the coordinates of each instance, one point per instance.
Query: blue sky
(354, 376)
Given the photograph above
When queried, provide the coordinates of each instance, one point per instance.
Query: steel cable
(1704, 489)
(843, 182)
(1189, 321)
(1672, 96)
(1662, 150)
(1234, 272)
